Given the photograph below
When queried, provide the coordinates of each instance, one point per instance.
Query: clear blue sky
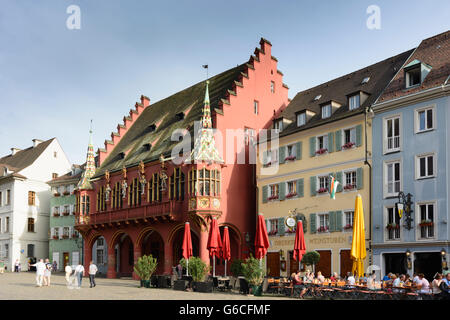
(54, 80)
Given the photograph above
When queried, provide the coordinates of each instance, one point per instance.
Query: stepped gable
(148, 135)
(435, 52)
(338, 90)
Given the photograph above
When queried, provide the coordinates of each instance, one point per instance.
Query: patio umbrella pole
(214, 266)
(225, 268)
(187, 267)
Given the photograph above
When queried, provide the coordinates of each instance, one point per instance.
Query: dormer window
(278, 125)
(326, 111)
(415, 73)
(413, 76)
(354, 102)
(301, 119)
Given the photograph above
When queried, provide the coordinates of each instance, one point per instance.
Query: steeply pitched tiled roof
(339, 89)
(24, 158)
(68, 176)
(435, 52)
(131, 148)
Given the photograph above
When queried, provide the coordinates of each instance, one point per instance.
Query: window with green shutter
(312, 146)
(338, 138)
(282, 190)
(339, 179)
(282, 151)
(333, 221)
(359, 178)
(312, 184)
(298, 150)
(330, 142)
(300, 187)
(281, 228)
(338, 215)
(264, 193)
(312, 222)
(358, 135)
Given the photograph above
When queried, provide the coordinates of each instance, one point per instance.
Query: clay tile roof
(26, 157)
(133, 142)
(434, 52)
(339, 89)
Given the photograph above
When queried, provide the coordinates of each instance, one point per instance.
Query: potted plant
(65, 236)
(236, 268)
(311, 258)
(198, 269)
(274, 197)
(56, 194)
(348, 145)
(426, 223)
(322, 190)
(55, 237)
(56, 214)
(144, 269)
(322, 229)
(289, 158)
(66, 193)
(66, 213)
(349, 187)
(290, 195)
(321, 151)
(254, 274)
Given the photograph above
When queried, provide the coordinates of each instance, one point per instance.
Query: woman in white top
(435, 284)
(320, 277)
(423, 284)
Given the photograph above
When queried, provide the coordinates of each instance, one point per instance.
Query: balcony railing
(140, 212)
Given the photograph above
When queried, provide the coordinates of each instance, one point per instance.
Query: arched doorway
(152, 243)
(124, 256)
(177, 244)
(100, 255)
(234, 251)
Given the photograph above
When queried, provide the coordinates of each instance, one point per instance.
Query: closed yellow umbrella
(358, 252)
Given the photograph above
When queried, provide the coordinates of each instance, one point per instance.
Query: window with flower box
(348, 220)
(323, 222)
(56, 212)
(270, 157)
(321, 144)
(273, 192)
(349, 140)
(66, 233)
(350, 181)
(290, 153)
(272, 227)
(66, 210)
(291, 189)
(426, 212)
(55, 233)
(324, 184)
(393, 224)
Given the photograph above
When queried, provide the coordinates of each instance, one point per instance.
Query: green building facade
(65, 243)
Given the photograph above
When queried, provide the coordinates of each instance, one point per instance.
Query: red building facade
(138, 199)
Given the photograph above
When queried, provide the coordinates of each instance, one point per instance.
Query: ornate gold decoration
(203, 203)
(107, 176)
(192, 203)
(124, 172)
(216, 203)
(141, 167)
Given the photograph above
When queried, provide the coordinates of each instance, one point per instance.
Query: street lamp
(444, 259)
(408, 259)
(404, 204)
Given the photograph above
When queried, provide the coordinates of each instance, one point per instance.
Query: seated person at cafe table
(320, 277)
(350, 280)
(423, 285)
(298, 284)
(334, 277)
(444, 286)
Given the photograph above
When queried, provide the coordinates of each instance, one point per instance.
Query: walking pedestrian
(92, 271)
(47, 272)
(16, 265)
(79, 274)
(40, 267)
(68, 271)
(55, 266)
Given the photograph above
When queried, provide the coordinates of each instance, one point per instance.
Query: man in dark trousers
(92, 271)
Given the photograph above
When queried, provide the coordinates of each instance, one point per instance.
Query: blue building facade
(411, 153)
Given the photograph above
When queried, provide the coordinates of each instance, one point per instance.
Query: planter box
(180, 285)
(202, 286)
(66, 193)
(163, 282)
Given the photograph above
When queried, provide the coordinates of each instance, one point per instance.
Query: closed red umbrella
(226, 252)
(187, 245)
(214, 243)
(261, 239)
(299, 245)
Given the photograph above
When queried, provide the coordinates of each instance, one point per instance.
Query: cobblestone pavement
(22, 286)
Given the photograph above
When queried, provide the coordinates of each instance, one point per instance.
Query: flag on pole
(333, 187)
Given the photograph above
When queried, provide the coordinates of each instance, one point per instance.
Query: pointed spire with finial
(89, 169)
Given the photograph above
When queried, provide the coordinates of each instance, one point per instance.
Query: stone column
(137, 255)
(111, 273)
(168, 258)
(203, 251)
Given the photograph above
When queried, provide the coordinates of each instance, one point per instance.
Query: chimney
(36, 142)
(14, 151)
